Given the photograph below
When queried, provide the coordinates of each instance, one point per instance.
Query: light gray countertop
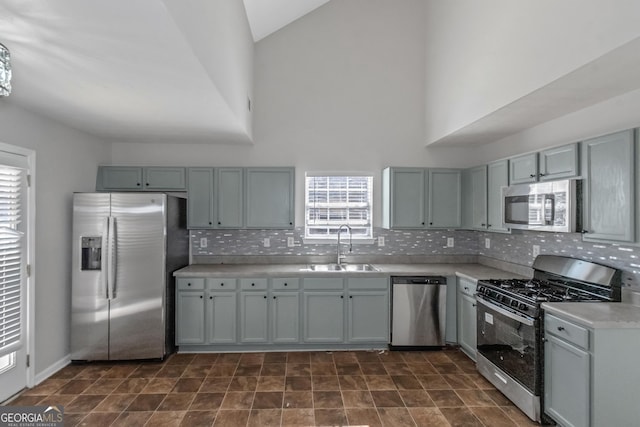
(471, 271)
(597, 315)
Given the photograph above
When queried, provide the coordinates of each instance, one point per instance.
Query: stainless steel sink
(358, 267)
(325, 267)
(341, 267)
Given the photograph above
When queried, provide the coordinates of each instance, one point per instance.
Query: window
(11, 260)
(335, 200)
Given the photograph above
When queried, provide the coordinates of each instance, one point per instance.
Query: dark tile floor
(439, 388)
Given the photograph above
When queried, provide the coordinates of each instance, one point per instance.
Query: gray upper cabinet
(200, 200)
(553, 163)
(609, 188)
(523, 169)
(404, 197)
(119, 178)
(133, 178)
(475, 197)
(445, 196)
(559, 162)
(229, 197)
(164, 178)
(497, 177)
(421, 198)
(269, 197)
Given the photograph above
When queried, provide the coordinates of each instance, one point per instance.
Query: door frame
(30, 276)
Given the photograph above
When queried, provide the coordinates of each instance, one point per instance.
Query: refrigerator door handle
(104, 264)
(113, 258)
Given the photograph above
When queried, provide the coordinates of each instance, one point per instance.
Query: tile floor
(365, 388)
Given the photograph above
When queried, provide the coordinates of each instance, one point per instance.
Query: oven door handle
(525, 320)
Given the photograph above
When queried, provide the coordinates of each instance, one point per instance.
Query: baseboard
(52, 369)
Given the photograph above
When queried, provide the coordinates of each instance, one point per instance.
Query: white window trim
(344, 236)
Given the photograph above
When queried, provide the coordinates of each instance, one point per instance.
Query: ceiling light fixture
(5, 71)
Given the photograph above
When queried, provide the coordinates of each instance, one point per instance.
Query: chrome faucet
(338, 256)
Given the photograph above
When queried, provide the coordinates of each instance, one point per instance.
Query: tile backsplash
(516, 248)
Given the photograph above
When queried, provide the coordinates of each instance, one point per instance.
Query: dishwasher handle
(426, 280)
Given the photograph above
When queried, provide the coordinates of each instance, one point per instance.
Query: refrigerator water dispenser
(91, 253)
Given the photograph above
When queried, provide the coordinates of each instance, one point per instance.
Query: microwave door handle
(549, 219)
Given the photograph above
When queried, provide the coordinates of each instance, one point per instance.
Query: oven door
(511, 342)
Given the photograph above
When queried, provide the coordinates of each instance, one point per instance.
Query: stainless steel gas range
(510, 322)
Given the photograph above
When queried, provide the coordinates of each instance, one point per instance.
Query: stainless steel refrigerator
(125, 248)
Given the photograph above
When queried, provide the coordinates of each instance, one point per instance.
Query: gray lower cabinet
(287, 312)
(221, 317)
(190, 317)
(466, 312)
(254, 317)
(324, 317)
(285, 317)
(590, 378)
(368, 310)
(608, 164)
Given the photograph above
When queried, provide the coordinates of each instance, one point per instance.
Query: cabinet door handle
(541, 174)
(219, 223)
(200, 296)
(341, 296)
(265, 297)
(422, 222)
(561, 328)
(466, 288)
(147, 184)
(285, 284)
(253, 284)
(473, 305)
(532, 176)
(274, 297)
(483, 224)
(210, 297)
(430, 223)
(210, 223)
(584, 231)
(350, 296)
(188, 284)
(138, 184)
(221, 284)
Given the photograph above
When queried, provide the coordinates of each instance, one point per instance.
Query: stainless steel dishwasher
(419, 306)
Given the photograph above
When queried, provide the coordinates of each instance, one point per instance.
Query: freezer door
(89, 297)
(137, 288)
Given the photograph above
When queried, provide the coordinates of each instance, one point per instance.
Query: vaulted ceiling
(126, 70)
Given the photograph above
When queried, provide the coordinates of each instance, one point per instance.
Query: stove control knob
(514, 303)
(523, 307)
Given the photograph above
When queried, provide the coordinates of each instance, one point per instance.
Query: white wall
(340, 89)
(219, 34)
(66, 161)
(481, 56)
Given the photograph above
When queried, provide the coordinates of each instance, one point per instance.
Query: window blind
(11, 259)
(331, 201)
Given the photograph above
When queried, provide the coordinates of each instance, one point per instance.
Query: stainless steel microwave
(543, 206)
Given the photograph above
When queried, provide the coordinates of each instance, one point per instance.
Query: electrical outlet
(536, 250)
(449, 242)
(203, 242)
(487, 243)
(380, 240)
(266, 242)
(290, 242)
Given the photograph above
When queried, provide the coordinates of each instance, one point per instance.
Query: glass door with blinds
(13, 262)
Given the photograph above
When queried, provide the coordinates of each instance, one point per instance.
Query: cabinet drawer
(285, 283)
(368, 283)
(190, 283)
(323, 283)
(221, 284)
(253, 284)
(568, 331)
